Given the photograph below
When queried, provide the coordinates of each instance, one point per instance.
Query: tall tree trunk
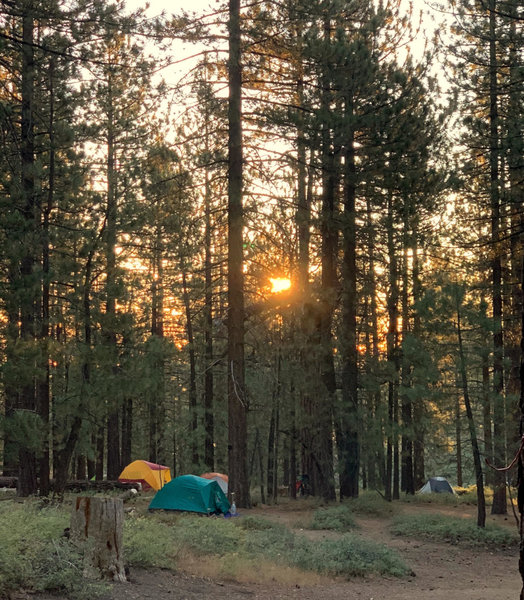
(209, 423)
(392, 306)
(113, 426)
(481, 503)
(195, 456)
(458, 435)
(272, 444)
(348, 442)
(43, 389)
(520, 483)
(376, 401)
(157, 451)
(499, 505)
(237, 400)
(407, 479)
(27, 477)
(419, 475)
(322, 475)
(486, 413)
(515, 143)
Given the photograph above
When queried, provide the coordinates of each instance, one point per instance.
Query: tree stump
(97, 525)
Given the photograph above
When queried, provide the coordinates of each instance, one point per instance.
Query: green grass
(148, 542)
(36, 556)
(335, 518)
(462, 496)
(371, 504)
(348, 556)
(452, 529)
(255, 537)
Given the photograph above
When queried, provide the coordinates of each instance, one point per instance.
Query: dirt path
(442, 571)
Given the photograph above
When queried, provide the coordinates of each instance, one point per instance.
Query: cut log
(82, 485)
(8, 482)
(97, 526)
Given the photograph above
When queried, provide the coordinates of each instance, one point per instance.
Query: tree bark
(499, 505)
(392, 343)
(27, 477)
(407, 479)
(481, 502)
(97, 525)
(209, 423)
(348, 442)
(237, 400)
(418, 407)
(195, 457)
(113, 428)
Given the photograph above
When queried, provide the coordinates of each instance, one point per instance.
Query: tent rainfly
(437, 485)
(220, 478)
(150, 475)
(190, 493)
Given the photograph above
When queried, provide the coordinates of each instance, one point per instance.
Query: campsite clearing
(442, 570)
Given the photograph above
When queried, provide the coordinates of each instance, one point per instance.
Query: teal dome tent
(191, 494)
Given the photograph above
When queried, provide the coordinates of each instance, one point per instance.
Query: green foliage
(337, 518)
(276, 543)
(149, 543)
(207, 535)
(370, 503)
(256, 523)
(36, 556)
(348, 556)
(434, 498)
(451, 529)
(254, 537)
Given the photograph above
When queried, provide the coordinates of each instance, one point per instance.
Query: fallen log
(81, 485)
(8, 482)
(99, 486)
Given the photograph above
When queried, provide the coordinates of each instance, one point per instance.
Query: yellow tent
(150, 475)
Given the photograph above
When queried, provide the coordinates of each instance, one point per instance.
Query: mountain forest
(272, 238)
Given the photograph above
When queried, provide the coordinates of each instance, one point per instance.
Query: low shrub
(36, 556)
(246, 539)
(348, 556)
(207, 535)
(255, 523)
(452, 529)
(275, 543)
(149, 542)
(336, 518)
(371, 503)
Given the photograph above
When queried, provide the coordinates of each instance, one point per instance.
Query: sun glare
(279, 284)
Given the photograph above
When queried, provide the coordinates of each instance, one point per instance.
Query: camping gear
(192, 494)
(220, 478)
(437, 485)
(150, 475)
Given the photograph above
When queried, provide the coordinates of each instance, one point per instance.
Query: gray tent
(437, 485)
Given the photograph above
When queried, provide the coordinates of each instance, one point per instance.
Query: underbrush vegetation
(336, 518)
(371, 504)
(452, 529)
(245, 539)
(36, 556)
(462, 495)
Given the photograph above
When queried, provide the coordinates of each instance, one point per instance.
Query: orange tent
(150, 475)
(220, 478)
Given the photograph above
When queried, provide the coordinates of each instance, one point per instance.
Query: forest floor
(440, 570)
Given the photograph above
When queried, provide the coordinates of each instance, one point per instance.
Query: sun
(279, 284)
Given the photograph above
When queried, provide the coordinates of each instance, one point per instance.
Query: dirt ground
(440, 570)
